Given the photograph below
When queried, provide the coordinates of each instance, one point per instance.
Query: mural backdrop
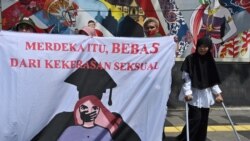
(226, 22)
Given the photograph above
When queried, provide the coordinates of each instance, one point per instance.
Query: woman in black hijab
(201, 81)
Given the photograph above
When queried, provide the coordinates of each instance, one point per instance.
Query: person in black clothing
(26, 24)
(201, 80)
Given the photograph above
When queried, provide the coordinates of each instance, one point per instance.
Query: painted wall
(226, 23)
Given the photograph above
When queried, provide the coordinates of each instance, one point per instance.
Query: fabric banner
(71, 87)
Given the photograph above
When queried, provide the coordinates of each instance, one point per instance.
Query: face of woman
(151, 29)
(202, 50)
(88, 111)
(25, 28)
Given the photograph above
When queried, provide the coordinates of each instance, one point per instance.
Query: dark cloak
(201, 68)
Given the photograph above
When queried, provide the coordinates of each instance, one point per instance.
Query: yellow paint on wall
(116, 13)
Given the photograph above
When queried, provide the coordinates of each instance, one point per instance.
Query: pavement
(219, 128)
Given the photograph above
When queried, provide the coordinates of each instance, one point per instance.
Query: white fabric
(201, 98)
(32, 94)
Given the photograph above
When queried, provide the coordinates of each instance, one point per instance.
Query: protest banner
(56, 86)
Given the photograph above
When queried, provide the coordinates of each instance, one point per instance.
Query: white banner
(73, 86)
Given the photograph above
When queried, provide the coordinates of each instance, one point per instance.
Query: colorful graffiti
(224, 21)
(220, 20)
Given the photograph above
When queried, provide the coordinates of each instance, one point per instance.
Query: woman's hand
(218, 98)
(188, 97)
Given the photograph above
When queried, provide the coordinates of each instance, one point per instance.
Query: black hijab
(201, 68)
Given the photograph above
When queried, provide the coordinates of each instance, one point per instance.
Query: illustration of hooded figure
(93, 122)
(89, 82)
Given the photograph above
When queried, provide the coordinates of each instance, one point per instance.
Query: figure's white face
(92, 24)
(151, 29)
